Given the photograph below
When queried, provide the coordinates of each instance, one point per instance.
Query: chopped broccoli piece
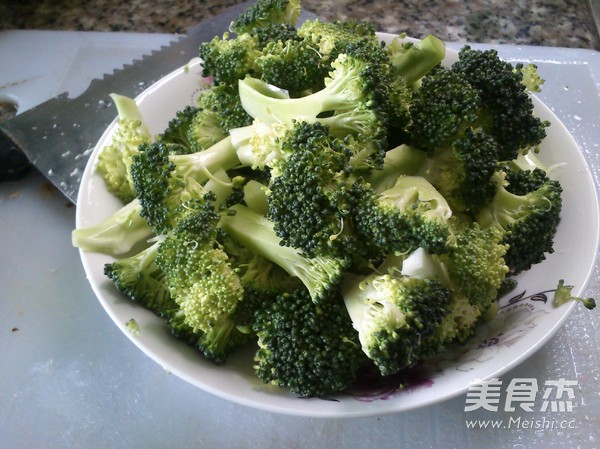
(117, 234)
(320, 275)
(529, 222)
(141, 280)
(114, 161)
(393, 315)
(177, 132)
(198, 274)
(309, 348)
(265, 13)
(563, 295)
(413, 60)
(164, 180)
(501, 89)
(227, 59)
(407, 216)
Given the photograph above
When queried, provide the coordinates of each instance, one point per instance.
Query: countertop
(556, 23)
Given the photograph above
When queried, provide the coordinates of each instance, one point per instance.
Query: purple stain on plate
(371, 387)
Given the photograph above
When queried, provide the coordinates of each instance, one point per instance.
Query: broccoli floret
(141, 280)
(309, 348)
(531, 78)
(293, 65)
(114, 161)
(508, 108)
(228, 59)
(312, 196)
(440, 109)
(357, 79)
(275, 32)
(217, 344)
(463, 172)
(333, 38)
(563, 295)
(118, 234)
(164, 180)
(412, 214)
(224, 102)
(475, 264)
(320, 275)
(198, 274)
(393, 315)
(529, 222)
(265, 13)
(177, 132)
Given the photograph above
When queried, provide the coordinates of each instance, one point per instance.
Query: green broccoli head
(311, 196)
(440, 109)
(412, 214)
(115, 159)
(528, 222)
(463, 173)
(320, 275)
(394, 315)
(475, 264)
(177, 132)
(501, 89)
(141, 280)
(310, 349)
(163, 181)
(228, 59)
(265, 13)
(293, 65)
(198, 274)
(333, 38)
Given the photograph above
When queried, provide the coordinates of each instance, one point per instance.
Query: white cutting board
(38, 65)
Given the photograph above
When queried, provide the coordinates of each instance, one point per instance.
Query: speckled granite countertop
(566, 23)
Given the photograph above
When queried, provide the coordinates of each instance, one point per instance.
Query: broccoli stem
(128, 109)
(115, 235)
(399, 161)
(256, 232)
(221, 155)
(418, 59)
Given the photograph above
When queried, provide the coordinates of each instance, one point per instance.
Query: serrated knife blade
(58, 136)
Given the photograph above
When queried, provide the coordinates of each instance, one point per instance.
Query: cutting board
(38, 65)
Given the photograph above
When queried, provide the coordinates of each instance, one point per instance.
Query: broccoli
(141, 280)
(116, 235)
(164, 180)
(311, 349)
(463, 172)
(197, 271)
(413, 60)
(114, 161)
(177, 133)
(333, 38)
(217, 344)
(227, 59)
(407, 216)
(394, 315)
(265, 13)
(320, 275)
(500, 87)
(356, 82)
(562, 295)
(293, 65)
(312, 196)
(529, 222)
(401, 160)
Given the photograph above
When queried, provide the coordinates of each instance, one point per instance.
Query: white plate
(526, 321)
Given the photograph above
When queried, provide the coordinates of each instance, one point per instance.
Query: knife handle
(14, 165)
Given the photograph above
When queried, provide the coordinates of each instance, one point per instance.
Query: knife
(58, 136)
